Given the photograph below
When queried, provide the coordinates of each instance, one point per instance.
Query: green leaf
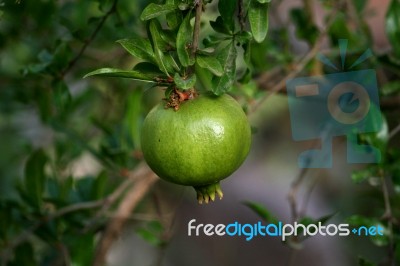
(365, 262)
(155, 31)
(227, 58)
(168, 91)
(155, 226)
(152, 233)
(24, 255)
(227, 10)
(133, 116)
(119, 73)
(149, 237)
(246, 77)
(183, 42)
(390, 88)
(183, 6)
(99, 187)
(393, 25)
(209, 51)
(61, 57)
(148, 69)
(258, 19)
(171, 63)
(219, 26)
(364, 174)
(164, 38)
(204, 76)
(185, 83)
(305, 29)
(263, 1)
(397, 252)
(244, 37)
(390, 62)
(35, 177)
(81, 248)
(169, 39)
(77, 139)
(214, 40)
(61, 95)
(174, 19)
(261, 211)
(395, 173)
(154, 10)
(210, 63)
(138, 47)
(380, 138)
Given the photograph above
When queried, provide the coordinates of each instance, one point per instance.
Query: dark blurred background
(65, 140)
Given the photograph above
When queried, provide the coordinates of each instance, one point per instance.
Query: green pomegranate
(203, 142)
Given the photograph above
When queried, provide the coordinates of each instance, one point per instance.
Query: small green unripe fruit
(203, 142)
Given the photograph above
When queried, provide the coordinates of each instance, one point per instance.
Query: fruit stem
(177, 97)
(208, 192)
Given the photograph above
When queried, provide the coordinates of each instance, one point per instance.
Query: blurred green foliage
(51, 118)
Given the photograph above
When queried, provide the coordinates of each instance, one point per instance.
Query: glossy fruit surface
(203, 142)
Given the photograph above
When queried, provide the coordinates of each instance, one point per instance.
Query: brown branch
(196, 31)
(388, 215)
(309, 8)
(292, 195)
(64, 252)
(241, 14)
(146, 178)
(394, 131)
(72, 63)
(108, 201)
(390, 102)
(295, 186)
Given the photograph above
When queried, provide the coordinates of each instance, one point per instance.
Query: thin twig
(307, 196)
(132, 198)
(168, 225)
(390, 102)
(241, 14)
(295, 186)
(65, 253)
(309, 8)
(72, 63)
(299, 66)
(388, 215)
(292, 195)
(292, 257)
(109, 200)
(196, 31)
(394, 131)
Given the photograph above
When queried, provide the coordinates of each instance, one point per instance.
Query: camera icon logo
(339, 104)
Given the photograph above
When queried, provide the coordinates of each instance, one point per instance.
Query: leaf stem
(72, 63)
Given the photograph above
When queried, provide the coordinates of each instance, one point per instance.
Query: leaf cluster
(169, 58)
